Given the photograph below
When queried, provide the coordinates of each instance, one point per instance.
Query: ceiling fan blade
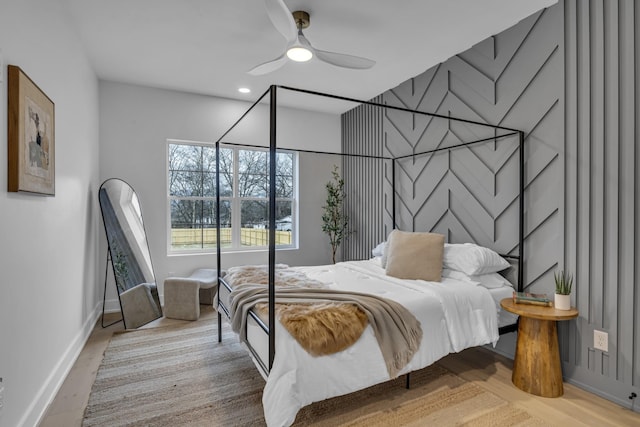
(268, 66)
(303, 41)
(282, 19)
(343, 60)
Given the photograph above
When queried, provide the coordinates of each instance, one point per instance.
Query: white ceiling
(207, 46)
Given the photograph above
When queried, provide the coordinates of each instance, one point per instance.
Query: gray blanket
(397, 331)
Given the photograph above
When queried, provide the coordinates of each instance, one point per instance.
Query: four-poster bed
(455, 313)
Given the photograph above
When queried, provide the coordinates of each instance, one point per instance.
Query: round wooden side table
(536, 367)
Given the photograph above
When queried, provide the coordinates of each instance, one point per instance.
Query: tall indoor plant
(334, 220)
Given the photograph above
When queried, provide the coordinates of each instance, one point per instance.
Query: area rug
(181, 376)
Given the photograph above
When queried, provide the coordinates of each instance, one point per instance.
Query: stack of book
(533, 299)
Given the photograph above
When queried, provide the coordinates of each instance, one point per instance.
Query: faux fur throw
(397, 331)
(322, 328)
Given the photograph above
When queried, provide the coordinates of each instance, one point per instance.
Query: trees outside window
(244, 203)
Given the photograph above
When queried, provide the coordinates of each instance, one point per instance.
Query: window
(244, 203)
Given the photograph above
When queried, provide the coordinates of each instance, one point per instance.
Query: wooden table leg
(536, 368)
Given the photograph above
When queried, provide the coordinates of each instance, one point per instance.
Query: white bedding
(454, 314)
(499, 288)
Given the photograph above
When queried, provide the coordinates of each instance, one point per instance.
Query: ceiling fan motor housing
(302, 19)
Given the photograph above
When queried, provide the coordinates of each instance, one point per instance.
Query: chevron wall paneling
(568, 77)
(602, 197)
(470, 194)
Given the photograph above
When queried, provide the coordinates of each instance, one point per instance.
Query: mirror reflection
(129, 253)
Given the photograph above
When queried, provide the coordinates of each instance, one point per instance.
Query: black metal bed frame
(272, 91)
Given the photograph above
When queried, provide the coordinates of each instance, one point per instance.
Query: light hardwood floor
(483, 367)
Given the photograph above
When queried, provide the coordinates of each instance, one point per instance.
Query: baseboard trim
(626, 404)
(500, 352)
(43, 399)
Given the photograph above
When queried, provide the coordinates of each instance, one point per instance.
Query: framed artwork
(31, 136)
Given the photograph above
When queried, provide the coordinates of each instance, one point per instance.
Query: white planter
(562, 302)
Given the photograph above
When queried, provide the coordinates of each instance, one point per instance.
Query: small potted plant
(564, 283)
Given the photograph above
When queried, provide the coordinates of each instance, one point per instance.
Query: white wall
(48, 288)
(135, 123)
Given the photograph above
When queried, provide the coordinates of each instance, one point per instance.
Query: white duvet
(454, 315)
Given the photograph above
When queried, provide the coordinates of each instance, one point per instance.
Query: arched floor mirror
(129, 254)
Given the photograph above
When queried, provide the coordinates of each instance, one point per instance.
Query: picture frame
(31, 136)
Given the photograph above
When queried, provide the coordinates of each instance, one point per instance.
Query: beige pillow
(415, 255)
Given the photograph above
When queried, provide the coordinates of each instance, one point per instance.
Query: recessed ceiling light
(244, 90)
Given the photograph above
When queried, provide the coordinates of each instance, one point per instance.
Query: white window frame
(236, 211)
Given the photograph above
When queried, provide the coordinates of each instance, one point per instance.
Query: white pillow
(489, 281)
(379, 250)
(385, 254)
(492, 280)
(472, 259)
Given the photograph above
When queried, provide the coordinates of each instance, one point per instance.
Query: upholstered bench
(183, 295)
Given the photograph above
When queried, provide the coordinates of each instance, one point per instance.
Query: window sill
(230, 251)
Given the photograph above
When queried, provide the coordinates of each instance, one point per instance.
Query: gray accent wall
(567, 76)
(471, 194)
(364, 179)
(601, 196)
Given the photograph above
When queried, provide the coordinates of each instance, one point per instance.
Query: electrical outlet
(601, 340)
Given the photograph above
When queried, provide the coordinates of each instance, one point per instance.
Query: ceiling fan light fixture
(299, 54)
(290, 25)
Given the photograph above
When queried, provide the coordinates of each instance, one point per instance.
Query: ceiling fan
(290, 25)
